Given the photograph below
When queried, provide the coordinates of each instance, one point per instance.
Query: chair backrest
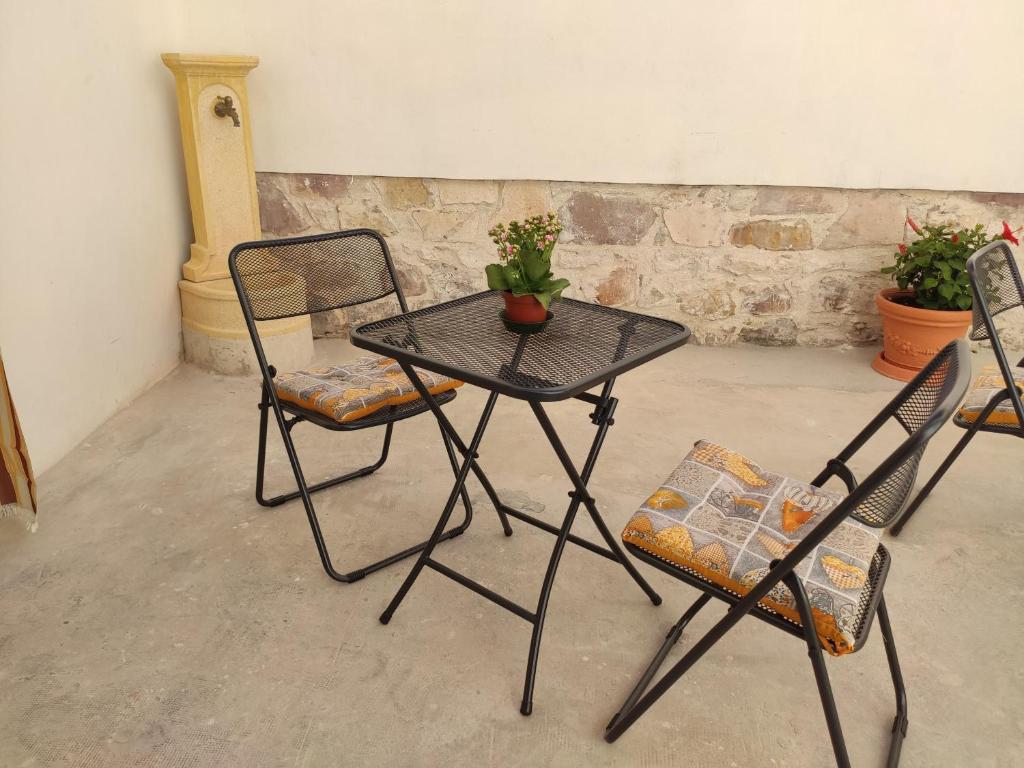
(304, 275)
(921, 408)
(997, 287)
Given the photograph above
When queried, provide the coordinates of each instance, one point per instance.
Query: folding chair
(994, 403)
(302, 276)
(803, 559)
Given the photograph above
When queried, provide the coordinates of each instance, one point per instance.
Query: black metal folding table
(583, 347)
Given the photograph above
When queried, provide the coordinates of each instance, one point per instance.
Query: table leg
(448, 430)
(542, 607)
(468, 461)
(602, 417)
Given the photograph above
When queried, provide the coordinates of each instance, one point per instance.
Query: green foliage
(525, 250)
(934, 266)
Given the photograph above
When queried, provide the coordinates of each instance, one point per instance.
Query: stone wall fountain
(213, 108)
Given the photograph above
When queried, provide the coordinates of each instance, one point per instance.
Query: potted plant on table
(932, 304)
(524, 272)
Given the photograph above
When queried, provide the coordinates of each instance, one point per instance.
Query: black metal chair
(784, 587)
(302, 276)
(995, 402)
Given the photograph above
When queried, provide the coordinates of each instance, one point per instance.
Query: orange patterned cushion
(989, 383)
(356, 389)
(722, 517)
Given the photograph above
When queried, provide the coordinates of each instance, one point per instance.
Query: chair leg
(814, 652)
(900, 723)
(261, 460)
(305, 491)
(943, 468)
(737, 611)
(659, 658)
(636, 704)
(828, 702)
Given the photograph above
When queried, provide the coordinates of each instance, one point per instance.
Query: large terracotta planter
(913, 336)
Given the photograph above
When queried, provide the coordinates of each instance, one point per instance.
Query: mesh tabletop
(583, 345)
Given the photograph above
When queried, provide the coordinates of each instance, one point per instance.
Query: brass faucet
(225, 107)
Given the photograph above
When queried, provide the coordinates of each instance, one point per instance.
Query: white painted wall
(93, 214)
(94, 220)
(874, 93)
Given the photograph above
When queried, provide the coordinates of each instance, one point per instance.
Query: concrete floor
(161, 618)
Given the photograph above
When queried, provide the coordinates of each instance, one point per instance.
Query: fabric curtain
(17, 485)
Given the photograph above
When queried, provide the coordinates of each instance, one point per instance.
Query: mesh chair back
(304, 275)
(997, 286)
(922, 407)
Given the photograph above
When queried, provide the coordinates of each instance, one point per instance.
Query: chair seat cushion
(986, 386)
(356, 389)
(724, 519)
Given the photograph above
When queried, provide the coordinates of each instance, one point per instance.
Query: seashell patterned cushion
(356, 389)
(721, 516)
(987, 384)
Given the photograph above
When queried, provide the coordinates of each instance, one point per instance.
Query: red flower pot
(524, 309)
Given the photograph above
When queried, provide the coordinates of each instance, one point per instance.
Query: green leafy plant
(933, 267)
(525, 250)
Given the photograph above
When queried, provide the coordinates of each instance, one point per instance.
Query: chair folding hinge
(289, 423)
(604, 412)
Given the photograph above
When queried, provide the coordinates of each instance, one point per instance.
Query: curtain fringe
(18, 512)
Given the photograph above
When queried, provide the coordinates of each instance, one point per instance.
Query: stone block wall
(775, 266)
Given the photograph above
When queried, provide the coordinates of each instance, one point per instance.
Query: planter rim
(917, 315)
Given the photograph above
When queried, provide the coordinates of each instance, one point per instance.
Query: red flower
(1008, 234)
(913, 226)
(955, 239)
(902, 249)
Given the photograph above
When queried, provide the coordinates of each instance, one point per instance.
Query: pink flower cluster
(535, 233)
